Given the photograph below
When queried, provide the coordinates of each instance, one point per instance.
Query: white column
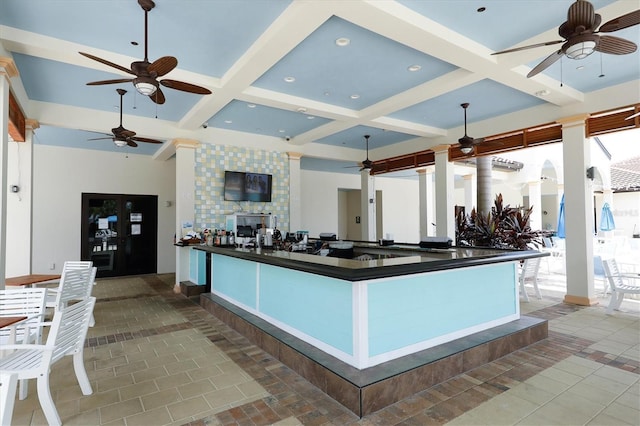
(425, 185)
(295, 191)
(7, 70)
(470, 193)
(445, 212)
(535, 200)
(578, 208)
(185, 211)
(483, 189)
(368, 206)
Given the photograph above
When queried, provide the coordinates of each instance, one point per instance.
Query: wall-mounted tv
(245, 186)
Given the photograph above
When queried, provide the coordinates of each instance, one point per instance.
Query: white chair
(66, 338)
(8, 383)
(619, 283)
(28, 302)
(68, 266)
(529, 273)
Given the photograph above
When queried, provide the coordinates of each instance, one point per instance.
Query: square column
(185, 192)
(470, 193)
(295, 191)
(444, 175)
(578, 207)
(535, 200)
(425, 185)
(367, 206)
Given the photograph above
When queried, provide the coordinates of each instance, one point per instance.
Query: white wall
(401, 215)
(18, 210)
(63, 174)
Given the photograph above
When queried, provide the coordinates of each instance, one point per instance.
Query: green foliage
(504, 227)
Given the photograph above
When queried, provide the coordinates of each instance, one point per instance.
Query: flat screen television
(245, 186)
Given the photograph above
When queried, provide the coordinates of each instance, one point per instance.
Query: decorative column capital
(31, 123)
(470, 176)
(294, 155)
(185, 143)
(573, 121)
(8, 67)
(438, 149)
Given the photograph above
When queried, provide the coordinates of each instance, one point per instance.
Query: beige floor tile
(592, 393)
(99, 399)
(555, 414)
(630, 400)
(137, 390)
(120, 410)
(578, 404)
(252, 389)
(196, 388)
(531, 393)
(206, 372)
(178, 367)
(160, 399)
(227, 397)
(572, 367)
(605, 420)
(618, 375)
(229, 379)
(188, 408)
(150, 374)
(159, 416)
(131, 367)
(114, 383)
(561, 376)
(606, 384)
(502, 410)
(623, 412)
(84, 418)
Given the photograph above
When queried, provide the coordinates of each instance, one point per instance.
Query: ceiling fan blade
(158, 96)
(185, 87)
(546, 63)
(621, 22)
(104, 61)
(581, 14)
(163, 65)
(100, 139)
(615, 45)
(139, 139)
(517, 49)
(478, 140)
(122, 132)
(116, 81)
(131, 143)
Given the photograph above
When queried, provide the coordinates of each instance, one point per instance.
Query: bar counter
(360, 323)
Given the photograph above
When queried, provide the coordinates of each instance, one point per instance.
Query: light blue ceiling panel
(354, 138)
(251, 118)
(57, 82)
(370, 67)
(71, 138)
(486, 98)
(503, 23)
(226, 28)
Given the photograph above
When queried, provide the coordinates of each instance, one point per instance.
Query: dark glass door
(119, 233)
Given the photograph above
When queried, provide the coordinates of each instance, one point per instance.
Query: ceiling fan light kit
(145, 85)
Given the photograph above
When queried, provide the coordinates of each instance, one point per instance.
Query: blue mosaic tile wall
(212, 161)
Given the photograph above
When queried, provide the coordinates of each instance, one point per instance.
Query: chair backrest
(612, 272)
(530, 268)
(69, 328)
(546, 241)
(76, 264)
(29, 302)
(598, 266)
(75, 284)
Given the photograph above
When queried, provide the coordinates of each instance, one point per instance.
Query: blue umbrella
(561, 233)
(606, 219)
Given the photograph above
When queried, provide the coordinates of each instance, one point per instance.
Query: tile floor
(156, 358)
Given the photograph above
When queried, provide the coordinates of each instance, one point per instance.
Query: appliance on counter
(328, 236)
(341, 249)
(436, 242)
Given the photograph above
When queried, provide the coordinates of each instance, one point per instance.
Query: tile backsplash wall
(212, 161)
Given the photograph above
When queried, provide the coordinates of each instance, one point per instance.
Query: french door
(119, 233)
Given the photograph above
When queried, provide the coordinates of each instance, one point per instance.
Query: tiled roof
(625, 175)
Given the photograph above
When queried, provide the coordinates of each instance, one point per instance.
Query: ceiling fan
(367, 164)
(467, 142)
(581, 36)
(122, 136)
(146, 73)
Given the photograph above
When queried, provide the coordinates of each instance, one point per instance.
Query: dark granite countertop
(390, 261)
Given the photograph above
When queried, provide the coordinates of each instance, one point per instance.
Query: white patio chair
(529, 273)
(66, 338)
(619, 283)
(76, 283)
(28, 302)
(8, 384)
(68, 265)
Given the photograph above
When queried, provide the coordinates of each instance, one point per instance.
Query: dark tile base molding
(367, 391)
(190, 289)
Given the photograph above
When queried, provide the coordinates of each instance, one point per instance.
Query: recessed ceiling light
(251, 105)
(544, 92)
(342, 41)
(414, 68)
(281, 131)
(481, 9)
(354, 96)
(289, 79)
(302, 109)
(310, 117)
(228, 121)
(579, 68)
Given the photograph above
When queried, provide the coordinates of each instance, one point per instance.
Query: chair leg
(612, 302)
(81, 373)
(8, 384)
(619, 300)
(535, 286)
(525, 296)
(24, 389)
(46, 401)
